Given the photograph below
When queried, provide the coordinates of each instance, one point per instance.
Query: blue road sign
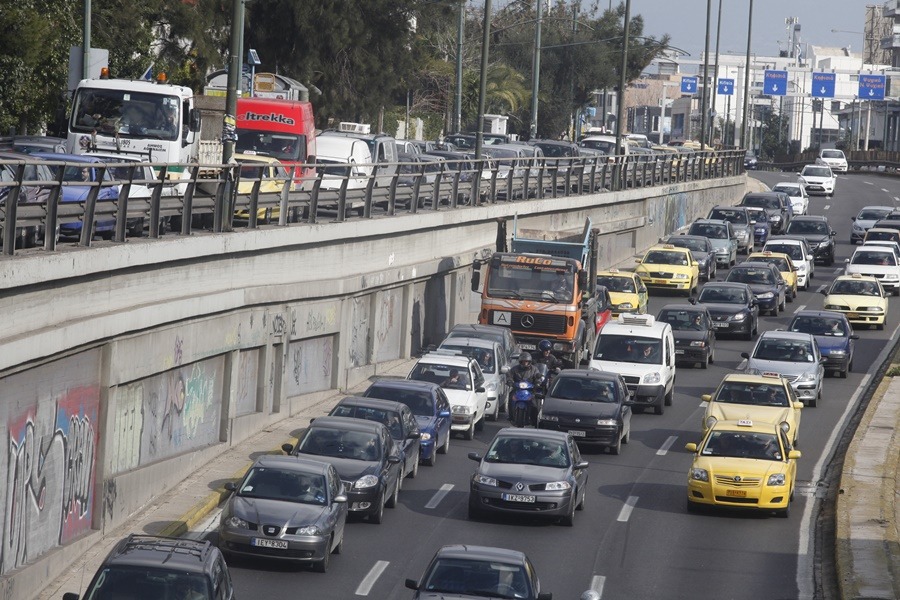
(726, 87)
(823, 85)
(871, 87)
(775, 83)
(688, 85)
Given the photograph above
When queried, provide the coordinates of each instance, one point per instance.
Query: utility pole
(457, 101)
(86, 42)
(744, 130)
(482, 88)
(536, 70)
(704, 108)
(715, 83)
(229, 124)
(623, 75)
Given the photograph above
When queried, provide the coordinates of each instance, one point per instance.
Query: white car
(466, 392)
(799, 198)
(817, 179)
(834, 159)
(801, 257)
(866, 219)
(488, 354)
(878, 262)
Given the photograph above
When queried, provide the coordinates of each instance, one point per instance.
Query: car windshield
(485, 578)
(420, 403)
(628, 348)
(484, 356)
(757, 394)
(752, 276)
(832, 327)
(356, 445)
(125, 582)
(851, 287)
(665, 257)
(882, 236)
(583, 389)
(738, 217)
(285, 486)
(761, 202)
(792, 250)
(388, 418)
(736, 444)
(685, 320)
(783, 350)
(721, 295)
(869, 257)
(614, 283)
(528, 451)
(871, 214)
(802, 226)
(816, 172)
(447, 376)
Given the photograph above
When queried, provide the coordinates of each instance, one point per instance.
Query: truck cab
(642, 350)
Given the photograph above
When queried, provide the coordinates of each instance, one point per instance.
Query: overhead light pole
(744, 130)
(715, 84)
(457, 100)
(482, 88)
(623, 78)
(704, 108)
(536, 70)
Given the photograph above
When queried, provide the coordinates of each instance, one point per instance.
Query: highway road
(635, 538)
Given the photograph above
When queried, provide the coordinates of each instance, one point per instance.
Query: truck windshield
(127, 113)
(525, 280)
(283, 146)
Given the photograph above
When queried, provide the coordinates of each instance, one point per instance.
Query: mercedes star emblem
(527, 321)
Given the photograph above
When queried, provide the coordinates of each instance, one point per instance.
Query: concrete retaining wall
(125, 367)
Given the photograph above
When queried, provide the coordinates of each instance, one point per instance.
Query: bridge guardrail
(185, 198)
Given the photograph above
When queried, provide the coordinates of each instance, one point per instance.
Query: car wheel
(843, 372)
(749, 335)
(627, 437)
(395, 496)
(658, 409)
(339, 548)
(378, 516)
(479, 423)
(879, 326)
(470, 432)
(781, 306)
(583, 498)
(429, 462)
(785, 512)
(616, 448)
(445, 448)
(668, 399)
(691, 507)
(704, 364)
(415, 470)
(322, 565)
(569, 519)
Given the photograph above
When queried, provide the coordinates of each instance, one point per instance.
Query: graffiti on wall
(676, 211)
(310, 363)
(50, 476)
(388, 320)
(248, 369)
(359, 331)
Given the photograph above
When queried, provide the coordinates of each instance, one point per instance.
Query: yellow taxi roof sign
(745, 423)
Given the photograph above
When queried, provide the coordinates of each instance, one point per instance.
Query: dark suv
(146, 566)
(776, 204)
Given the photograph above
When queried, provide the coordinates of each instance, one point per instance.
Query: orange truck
(544, 290)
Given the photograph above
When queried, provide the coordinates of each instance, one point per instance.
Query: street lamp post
(704, 108)
(482, 88)
(536, 70)
(457, 101)
(716, 72)
(744, 130)
(623, 78)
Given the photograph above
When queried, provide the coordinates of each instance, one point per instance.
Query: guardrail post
(342, 194)
(122, 205)
(436, 194)
(12, 206)
(52, 221)
(90, 209)
(253, 214)
(283, 207)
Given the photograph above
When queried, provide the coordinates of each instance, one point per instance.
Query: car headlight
(552, 418)
(698, 344)
(490, 386)
(892, 277)
(625, 306)
(760, 230)
(778, 479)
(806, 378)
(483, 480)
(237, 523)
(775, 218)
(366, 481)
(838, 353)
(680, 276)
(557, 486)
(742, 234)
(652, 378)
(607, 422)
(874, 309)
(309, 530)
(424, 436)
(699, 474)
(857, 227)
(461, 409)
(766, 295)
(832, 307)
(738, 317)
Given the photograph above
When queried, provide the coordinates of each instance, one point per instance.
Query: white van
(642, 350)
(334, 154)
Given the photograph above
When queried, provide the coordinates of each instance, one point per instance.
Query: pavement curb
(867, 544)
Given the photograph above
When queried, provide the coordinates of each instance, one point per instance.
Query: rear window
(389, 418)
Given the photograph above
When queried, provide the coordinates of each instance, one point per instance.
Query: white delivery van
(642, 350)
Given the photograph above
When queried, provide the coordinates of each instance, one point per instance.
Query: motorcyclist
(553, 364)
(524, 371)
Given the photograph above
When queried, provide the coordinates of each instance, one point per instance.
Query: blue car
(430, 406)
(833, 333)
(83, 169)
(761, 227)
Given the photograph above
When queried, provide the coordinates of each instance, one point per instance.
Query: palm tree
(505, 93)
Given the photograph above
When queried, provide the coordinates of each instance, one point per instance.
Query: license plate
(736, 493)
(720, 325)
(677, 351)
(576, 433)
(528, 346)
(264, 543)
(852, 315)
(517, 498)
(658, 281)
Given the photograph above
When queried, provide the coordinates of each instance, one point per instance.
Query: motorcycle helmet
(545, 345)
(524, 357)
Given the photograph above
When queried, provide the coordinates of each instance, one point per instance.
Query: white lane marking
(626, 510)
(597, 583)
(826, 207)
(885, 190)
(365, 586)
(896, 199)
(799, 308)
(821, 288)
(439, 495)
(666, 445)
(868, 183)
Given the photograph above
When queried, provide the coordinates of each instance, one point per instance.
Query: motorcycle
(525, 396)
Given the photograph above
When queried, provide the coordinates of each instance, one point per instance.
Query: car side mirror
(691, 447)
(637, 260)
(797, 405)
(474, 456)
(504, 369)
(581, 465)
(476, 281)
(444, 414)
(479, 389)
(823, 360)
(745, 355)
(854, 336)
(412, 584)
(754, 302)
(823, 292)
(833, 233)
(230, 486)
(287, 448)
(706, 398)
(340, 499)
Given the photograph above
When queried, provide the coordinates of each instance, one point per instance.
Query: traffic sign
(688, 85)
(775, 83)
(726, 87)
(871, 87)
(823, 85)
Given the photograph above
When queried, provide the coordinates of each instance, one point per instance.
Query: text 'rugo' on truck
(544, 289)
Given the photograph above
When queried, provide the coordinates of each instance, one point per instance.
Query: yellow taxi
(627, 293)
(784, 265)
(860, 297)
(743, 464)
(767, 397)
(271, 175)
(669, 267)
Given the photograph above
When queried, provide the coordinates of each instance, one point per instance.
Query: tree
(774, 132)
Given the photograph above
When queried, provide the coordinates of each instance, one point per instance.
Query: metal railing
(128, 200)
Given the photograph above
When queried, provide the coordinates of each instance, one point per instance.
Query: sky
(685, 22)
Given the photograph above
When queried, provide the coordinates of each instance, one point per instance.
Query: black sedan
(287, 509)
(692, 327)
(593, 406)
(529, 471)
(364, 456)
(732, 307)
(397, 417)
(817, 233)
(701, 250)
(769, 287)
